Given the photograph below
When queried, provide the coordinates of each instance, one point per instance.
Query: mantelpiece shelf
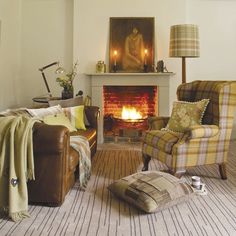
(131, 74)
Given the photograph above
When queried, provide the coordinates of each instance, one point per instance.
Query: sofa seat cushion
(162, 139)
(89, 133)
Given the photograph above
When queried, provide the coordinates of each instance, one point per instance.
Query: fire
(130, 113)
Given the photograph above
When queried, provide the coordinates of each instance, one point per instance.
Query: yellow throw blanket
(16, 165)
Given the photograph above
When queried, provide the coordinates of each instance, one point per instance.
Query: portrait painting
(131, 46)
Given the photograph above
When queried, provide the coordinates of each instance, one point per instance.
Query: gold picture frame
(131, 47)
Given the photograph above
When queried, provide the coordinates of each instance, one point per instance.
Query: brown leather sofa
(56, 162)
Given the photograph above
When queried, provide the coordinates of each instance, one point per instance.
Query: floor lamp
(184, 42)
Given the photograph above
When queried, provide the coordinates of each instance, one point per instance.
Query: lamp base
(183, 70)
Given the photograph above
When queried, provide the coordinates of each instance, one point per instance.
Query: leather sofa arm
(51, 161)
(50, 139)
(92, 113)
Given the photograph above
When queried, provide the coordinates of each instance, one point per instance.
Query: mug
(196, 182)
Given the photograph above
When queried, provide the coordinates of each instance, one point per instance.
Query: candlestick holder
(114, 68)
(145, 68)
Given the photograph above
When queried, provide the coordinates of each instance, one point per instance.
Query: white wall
(91, 30)
(9, 51)
(33, 34)
(47, 36)
(217, 28)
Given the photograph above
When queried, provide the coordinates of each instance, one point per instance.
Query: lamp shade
(184, 41)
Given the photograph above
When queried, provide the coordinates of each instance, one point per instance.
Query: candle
(145, 56)
(115, 55)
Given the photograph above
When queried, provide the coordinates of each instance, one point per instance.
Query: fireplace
(126, 109)
(100, 80)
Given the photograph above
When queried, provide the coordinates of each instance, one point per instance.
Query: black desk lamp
(59, 70)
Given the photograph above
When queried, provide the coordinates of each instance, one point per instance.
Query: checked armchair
(201, 144)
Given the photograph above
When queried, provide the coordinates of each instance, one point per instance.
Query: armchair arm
(92, 113)
(203, 131)
(157, 122)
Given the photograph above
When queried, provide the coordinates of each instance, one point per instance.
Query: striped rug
(96, 212)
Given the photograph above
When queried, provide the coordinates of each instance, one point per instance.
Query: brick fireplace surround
(161, 80)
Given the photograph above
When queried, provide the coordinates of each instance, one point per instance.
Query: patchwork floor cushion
(152, 191)
(162, 139)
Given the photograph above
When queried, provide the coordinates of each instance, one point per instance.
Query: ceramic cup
(196, 182)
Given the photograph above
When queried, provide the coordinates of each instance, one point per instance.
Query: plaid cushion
(163, 140)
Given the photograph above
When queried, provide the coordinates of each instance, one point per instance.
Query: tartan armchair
(202, 144)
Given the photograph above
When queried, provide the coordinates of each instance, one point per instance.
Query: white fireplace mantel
(161, 80)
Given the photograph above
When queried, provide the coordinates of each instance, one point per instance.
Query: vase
(67, 93)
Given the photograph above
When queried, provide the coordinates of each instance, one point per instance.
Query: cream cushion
(41, 112)
(59, 119)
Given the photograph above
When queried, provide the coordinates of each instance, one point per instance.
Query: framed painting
(131, 47)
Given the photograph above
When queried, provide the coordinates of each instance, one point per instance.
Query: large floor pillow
(151, 191)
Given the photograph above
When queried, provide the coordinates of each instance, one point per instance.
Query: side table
(45, 99)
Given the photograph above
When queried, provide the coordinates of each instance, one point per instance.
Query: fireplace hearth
(126, 109)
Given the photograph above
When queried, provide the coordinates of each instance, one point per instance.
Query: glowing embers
(130, 113)
(126, 109)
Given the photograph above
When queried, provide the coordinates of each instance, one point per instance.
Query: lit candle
(115, 55)
(145, 56)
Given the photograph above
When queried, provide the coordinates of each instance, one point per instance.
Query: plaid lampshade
(184, 41)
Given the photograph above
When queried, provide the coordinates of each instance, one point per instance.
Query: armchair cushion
(203, 131)
(186, 114)
(162, 139)
(151, 191)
